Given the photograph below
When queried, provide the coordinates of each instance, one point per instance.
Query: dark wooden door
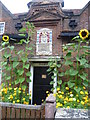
(41, 84)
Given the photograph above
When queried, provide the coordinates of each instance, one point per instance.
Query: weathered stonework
(80, 114)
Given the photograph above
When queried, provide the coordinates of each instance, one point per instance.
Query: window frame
(3, 27)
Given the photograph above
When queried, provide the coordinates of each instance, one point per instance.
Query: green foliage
(16, 68)
(71, 73)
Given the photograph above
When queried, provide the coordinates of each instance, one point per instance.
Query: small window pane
(2, 25)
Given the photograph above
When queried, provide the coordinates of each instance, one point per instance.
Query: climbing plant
(72, 73)
(15, 67)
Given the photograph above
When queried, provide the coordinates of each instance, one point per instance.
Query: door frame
(32, 76)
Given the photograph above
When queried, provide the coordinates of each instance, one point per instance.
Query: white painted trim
(55, 83)
(31, 83)
(3, 28)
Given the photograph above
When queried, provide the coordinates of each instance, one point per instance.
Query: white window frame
(3, 27)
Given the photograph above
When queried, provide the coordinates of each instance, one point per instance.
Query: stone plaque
(44, 42)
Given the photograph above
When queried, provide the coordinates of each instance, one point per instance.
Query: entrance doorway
(41, 84)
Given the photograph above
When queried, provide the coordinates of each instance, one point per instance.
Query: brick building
(54, 26)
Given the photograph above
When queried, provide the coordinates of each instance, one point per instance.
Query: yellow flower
(47, 92)
(86, 101)
(23, 99)
(60, 96)
(58, 89)
(11, 97)
(84, 88)
(9, 84)
(27, 94)
(83, 34)
(86, 96)
(81, 92)
(77, 95)
(14, 94)
(67, 88)
(13, 102)
(78, 101)
(68, 106)
(86, 92)
(27, 103)
(18, 101)
(19, 88)
(58, 104)
(24, 90)
(42, 100)
(15, 88)
(82, 102)
(62, 92)
(66, 99)
(30, 98)
(5, 38)
(70, 99)
(61, 105)
(70, 92)
(54, 95)
(5, 92)
(10, 88)
(19, 92)
(0, 93)
(76, 87)
(65, 102)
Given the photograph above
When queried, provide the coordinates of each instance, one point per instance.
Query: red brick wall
(61, 25)
(9, 22)
(84, 19)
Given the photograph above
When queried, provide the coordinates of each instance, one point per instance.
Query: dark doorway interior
(41, 84)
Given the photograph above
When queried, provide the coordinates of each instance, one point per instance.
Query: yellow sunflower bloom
(5, 38)
(83, 34)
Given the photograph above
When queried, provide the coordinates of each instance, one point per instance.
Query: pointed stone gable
(44, 10)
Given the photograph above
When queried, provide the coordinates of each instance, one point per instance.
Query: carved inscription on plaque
(44, 42)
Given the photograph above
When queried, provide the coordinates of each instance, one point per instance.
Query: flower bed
(71, 72)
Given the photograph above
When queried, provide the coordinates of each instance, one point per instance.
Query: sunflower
(5, 38)
(83, 34)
